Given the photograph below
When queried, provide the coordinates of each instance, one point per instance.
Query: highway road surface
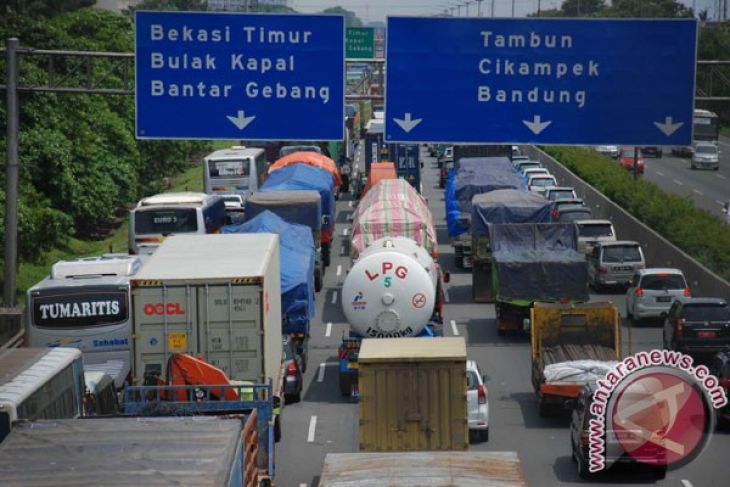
(324, 422)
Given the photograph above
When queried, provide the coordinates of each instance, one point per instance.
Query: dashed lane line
(698, 192)
(342, 250)
(312, 429)
(719, 202)
(454, 329)
(320, 374)
(660, 173)
(328, 329)
(721, 176)
(345, 231)
(339, 270)
(686, 483)
(677, 181)
(334, 297)
(447, 298)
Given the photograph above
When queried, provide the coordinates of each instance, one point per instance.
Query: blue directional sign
(239, 76)
(552, 81)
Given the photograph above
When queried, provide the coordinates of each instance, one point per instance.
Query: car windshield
(165, 221)
(568, 205)
(706, 312)
(595, 230)
(660, 282)
(542, 182)
(706, 149)
(472, 380)
(621, 253)
(529, 165)
(574, 215)
(560, 194)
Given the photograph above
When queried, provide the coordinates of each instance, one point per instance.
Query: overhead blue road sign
(239, 76)
(551, 81)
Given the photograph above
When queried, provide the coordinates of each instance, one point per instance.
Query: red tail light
(555, 213)
(602, 269)
(679, 327)
(291, 371)
(725, 382)
(687, 292)
(482, 394)
(148, 240)
(639, 292)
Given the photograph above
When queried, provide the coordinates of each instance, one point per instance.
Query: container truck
(417, 469)
(202, 451)
(376, 150)
(500, 206)
(534, 262)
(394, 289)
(297, 282)
(213, 296)
(407, 163)
(413, 394)
(470, 177)
(572, 345)
(305, 177)
(302, 207)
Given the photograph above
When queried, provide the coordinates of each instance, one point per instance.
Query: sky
(377, 10)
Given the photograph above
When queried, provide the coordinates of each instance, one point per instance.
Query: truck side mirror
(447, 276)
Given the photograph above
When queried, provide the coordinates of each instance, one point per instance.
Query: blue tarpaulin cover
(508, 206)
(538, 262)
(302, 176)
(297, 267)
(476, 175)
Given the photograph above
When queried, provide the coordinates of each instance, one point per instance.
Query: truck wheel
(583, 469)
(484, 435)
(545, 409)
(325, 256)
(659, 471)
(345, 384)
(292, 398)
(459, 261)
(277, 430)
(317, 280)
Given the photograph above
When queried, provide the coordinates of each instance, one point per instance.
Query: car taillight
(555, 213)
(291, 371)
(639, 293)
(602, 269)
(482, 394)
(687, 292)
(679, 327)
(725, 382)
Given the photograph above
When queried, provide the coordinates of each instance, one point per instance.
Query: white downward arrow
(406, 123)
(668, 128)
(241, 121)
(536, 126)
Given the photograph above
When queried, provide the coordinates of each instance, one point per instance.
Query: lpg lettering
(401, 272)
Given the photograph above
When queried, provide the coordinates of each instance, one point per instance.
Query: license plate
(706, 334)
(663, 299)
(623, 268)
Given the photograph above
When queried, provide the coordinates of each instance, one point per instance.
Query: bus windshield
(229, 169)
(165, 221)
(706, 126)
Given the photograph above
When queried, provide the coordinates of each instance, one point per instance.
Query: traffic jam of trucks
(213, 318)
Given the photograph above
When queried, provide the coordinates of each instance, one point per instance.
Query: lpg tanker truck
(394, 289)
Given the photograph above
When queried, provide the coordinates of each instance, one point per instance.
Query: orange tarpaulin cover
(311, 159)
(378, 172)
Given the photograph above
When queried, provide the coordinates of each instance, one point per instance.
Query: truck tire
(546, 409)
(583, 469)
(345, 384)
(292, 398)
(317, 280)
(484, 435)
(325, 256)
(277, 430)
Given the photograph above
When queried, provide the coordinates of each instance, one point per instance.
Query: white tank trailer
(391, 290)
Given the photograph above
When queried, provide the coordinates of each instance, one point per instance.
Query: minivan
(653, 291)
(614, 263)
(591, 232)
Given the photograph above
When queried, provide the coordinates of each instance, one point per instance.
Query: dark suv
(654, 459)
(697, 325)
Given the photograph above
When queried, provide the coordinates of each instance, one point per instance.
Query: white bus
(85, 304)
(238, 170)
(156, 217)
(40, 383)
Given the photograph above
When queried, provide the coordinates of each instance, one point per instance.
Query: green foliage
(351, 20)
(178, 5)
(79, 160)
(697, 232)
(43, 8)
(582, 8)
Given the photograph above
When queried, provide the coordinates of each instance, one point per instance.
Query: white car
(540, 183)
(652, 292)
(607, 150)
(705, 155)
(726, 210)
(533, 171)
(477, 402)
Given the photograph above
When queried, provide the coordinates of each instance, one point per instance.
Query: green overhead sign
(360, 43)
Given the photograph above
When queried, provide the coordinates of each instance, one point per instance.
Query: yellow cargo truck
(572, 345)
(413, 394)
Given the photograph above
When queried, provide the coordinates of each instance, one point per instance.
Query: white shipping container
(217, 296)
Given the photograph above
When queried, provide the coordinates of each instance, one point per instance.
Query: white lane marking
(349, 203)
(312, 427)
(339, 270)
(698, 192)
(320, 375)
(447, 298)
(302, 485)
(686, 483)
(660, 173)
(334, 297)
(342, 250)
(719, 202)
(345, 231)
(720, 176)
(454, 329)
(328, 330)
(676, 181)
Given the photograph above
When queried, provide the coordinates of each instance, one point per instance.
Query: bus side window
(261, 169)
